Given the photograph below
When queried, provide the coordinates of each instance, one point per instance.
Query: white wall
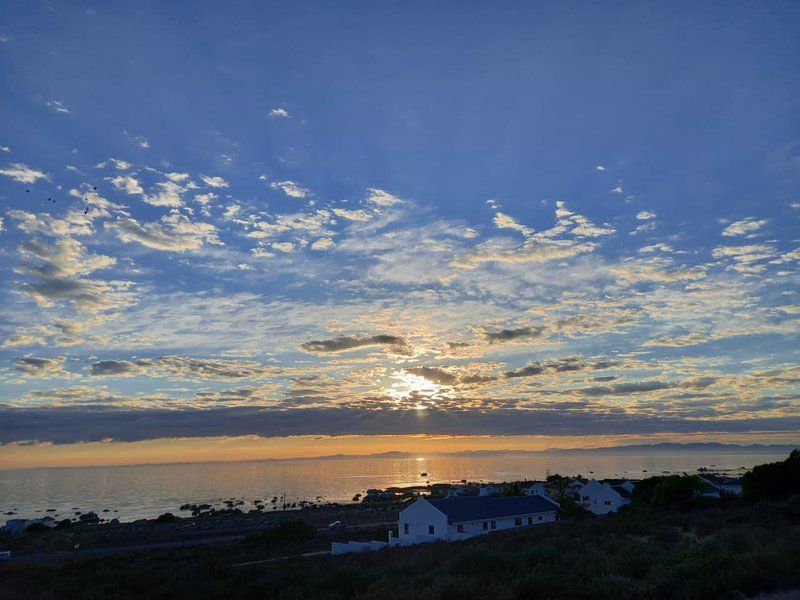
(419, 517)
(474, 528)
(600, 498)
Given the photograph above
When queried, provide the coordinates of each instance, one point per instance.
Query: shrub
(166, 518)
(290, 531)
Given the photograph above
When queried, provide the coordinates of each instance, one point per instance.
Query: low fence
(346, 548)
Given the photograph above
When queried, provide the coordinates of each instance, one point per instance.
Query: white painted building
(490, 489)
(452, 519)
(536, 489)
(606, 497)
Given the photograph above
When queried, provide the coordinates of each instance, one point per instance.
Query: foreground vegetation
(701, 548)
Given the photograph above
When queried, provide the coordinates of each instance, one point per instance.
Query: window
(517, 521)
(540, 517)
(530, 520)
(607, 502)
(406, 529)
(460, 529)
(494, 524)
(485, 525)
(431, 529)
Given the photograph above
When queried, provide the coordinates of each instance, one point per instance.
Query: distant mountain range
(661, 448)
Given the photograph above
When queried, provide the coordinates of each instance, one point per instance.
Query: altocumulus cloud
(343, 344)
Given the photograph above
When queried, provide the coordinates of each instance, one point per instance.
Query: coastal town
(534, 532)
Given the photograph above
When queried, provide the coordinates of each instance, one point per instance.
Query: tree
(773, 481)
(674, 489)
(512, 488)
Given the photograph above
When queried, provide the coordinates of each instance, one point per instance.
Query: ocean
(146, 491)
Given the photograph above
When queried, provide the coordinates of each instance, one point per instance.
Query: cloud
(290, 188)
(23, 173)
(563, 365)
(279, 113)
(442, 376)
(352, 215)
(745, 226)
(503, 221)
(57, 106)
(645, 215)
(215, 182)
(380, 197)
(117, 368)
(40, 368)
(508, 335)
(745, 257)
(345, 344)
(128, 183)
(309, 222)
(66, 258)
(531, 251)
(660, 246)
(169, 195)
(173, 233)
(283, 246)
(185, 367)
(640, 387)
(73, 223)
(72, 424)
(323, 244)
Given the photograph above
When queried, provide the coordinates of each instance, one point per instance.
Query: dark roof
(471, 508)
(613, 482)
(621, 491)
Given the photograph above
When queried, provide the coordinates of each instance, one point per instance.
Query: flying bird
(87, 210)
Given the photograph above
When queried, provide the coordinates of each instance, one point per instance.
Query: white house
(20, 525)
(460, 518)
(602, 498)
(716, 486)
(489, 489)
(536, 489)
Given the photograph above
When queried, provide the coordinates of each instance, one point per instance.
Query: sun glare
(418, 392)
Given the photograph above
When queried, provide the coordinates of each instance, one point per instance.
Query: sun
(411, 389)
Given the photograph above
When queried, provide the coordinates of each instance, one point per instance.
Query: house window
(530, 520)
(485, 525)
(431, 529)
(406, 529)
(607, 502)
(494, 524)
(540, 517)
(460, 529)
(517, 521)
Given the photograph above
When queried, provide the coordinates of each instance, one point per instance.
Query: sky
(288, 229)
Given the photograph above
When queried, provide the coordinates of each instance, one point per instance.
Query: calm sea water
(146, 491)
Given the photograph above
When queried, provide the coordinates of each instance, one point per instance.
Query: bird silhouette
(87, 210)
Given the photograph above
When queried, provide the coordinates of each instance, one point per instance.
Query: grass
(704, 550)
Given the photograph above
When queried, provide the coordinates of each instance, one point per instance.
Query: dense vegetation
(773, 481)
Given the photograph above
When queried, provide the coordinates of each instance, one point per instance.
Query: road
(218, 539)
